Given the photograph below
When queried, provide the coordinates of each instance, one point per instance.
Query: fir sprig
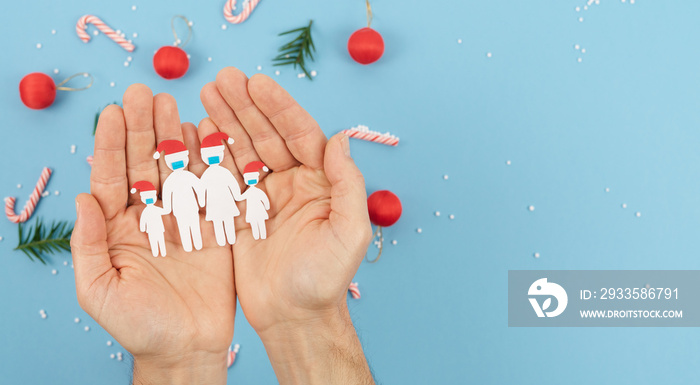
(40, 240)
(296, 51)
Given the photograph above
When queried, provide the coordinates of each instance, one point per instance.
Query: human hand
(175, 314)
(293, 285)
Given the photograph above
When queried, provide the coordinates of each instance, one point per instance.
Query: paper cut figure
(181, 192)
(257, 202)
(221, 188)
(151, 217)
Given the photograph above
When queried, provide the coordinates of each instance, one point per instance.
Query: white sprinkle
(286, 56)
(394, 242)
(314, 73)
(123, 34)
(531, 208)
(109, 343)
(42, 311)
(95, 32)
(489, 54)
(43, 315)
(452, 216)
(508, 163)
(38, 45)
(119, 31)
(119, 358)
(111, 356)
(85, 74)
(112, 84)
(631, 1)
(129, 58)
(577, 47)
(177, 42)
(536, 255)
(54, 271)
(585, 8)
(1, 239)
(134, 35)
(607, 189)
(189, 56)
(55, 70)
(223, 26)
(277, 72)
(71, 266)
(445, 177)
(209, 58)
(19, 186)
(459, 41)
(583, 50)
(638, 214)
(86, 328)
(57, 192)
(45, 194)
(580, 60)
(53, 31)
(580, 19)
(190, 23)
(437, 213)
(133, 7)
(65, 263)
(72, 149)
(76, 320)
(419, 230)
(301, 75)
(578, 9)
(126, 64)
(648, 286)
(624, 205)
(259, 68)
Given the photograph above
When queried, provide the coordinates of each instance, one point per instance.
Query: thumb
(90, 252)
(349, 217)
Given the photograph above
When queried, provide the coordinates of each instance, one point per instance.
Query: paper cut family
(217, 190)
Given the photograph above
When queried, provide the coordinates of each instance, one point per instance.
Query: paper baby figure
(151, 217)
(257, 202)
(181, 192)
(221, 188)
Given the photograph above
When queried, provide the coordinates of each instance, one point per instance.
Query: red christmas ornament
(38, 90)
(171, 62)
(384, 210)
(366, 46)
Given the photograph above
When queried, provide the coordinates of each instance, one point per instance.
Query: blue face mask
(178, 165)
(149, 201)
(214, 160)
(252, 182)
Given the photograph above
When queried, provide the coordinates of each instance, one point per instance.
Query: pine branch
(296, 51)
(40, 240)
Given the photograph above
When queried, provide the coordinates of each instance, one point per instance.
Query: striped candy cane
(354, 290)
(81, 29)
(90, 159)
(364, 133)
(248, 7)
(31, 203)
(232, 355)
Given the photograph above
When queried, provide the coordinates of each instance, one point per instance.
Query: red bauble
(37, 90)
(171, 62)
(384, 208)
(366, 46)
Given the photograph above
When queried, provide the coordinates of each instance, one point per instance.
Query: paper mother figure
(221, 188)
(182, 191)
(151, 221)
(257, 202)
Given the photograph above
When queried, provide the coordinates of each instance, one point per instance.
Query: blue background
(433, 310)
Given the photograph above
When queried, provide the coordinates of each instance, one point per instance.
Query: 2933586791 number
(638, 293)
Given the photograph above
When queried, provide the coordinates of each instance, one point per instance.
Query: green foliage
(97, 117)
(40, 240)
(296, 51)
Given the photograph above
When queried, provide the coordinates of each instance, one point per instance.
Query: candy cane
(364, 133)
(248, 7)
(90, 159)
(354, 290)
(81, 29)
(232, 355)
(31, 203)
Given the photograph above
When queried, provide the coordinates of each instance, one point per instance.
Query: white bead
(437, 213)
(19, 186)
(445, 177)
(111, 84)
(624, 205)
(55, 70)
(38, 45)
(54, 271)
(209, 58)
(259, 68)
(111, 356)
(223, 26)
(95, 32)
(580, 19)
(489, 54)
(86, 328)
(508, 163)
(580, 60)
(72, 149)
(536, 255)
(65, 263)
(57, 192)
(191, 23)
(577, 47)
(452, 216)
(607, 189)
(133, 7)
(459, 41)
(129, 58)
(531, 208)
(277, 72)
(583, 50)
(419, 230)
(314, 73)
(638, 214)
(126, 64)
(394, 242)
(76, 320)
(1, 239)
(53, 31)
(109, 343)
(135, 35)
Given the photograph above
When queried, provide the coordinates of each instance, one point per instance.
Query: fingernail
(77, 206)
(345, 143)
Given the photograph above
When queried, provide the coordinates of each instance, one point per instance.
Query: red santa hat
(142, 185)
(170, 147)
(255, 167)
(215, 139)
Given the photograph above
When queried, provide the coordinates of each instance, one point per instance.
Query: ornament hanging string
(379, 241)
(369, 14)
(178, 42)
(31, 203)
(248, 7)
(81, 30)
(60, 86)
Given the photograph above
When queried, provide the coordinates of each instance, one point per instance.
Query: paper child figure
(181, 192)
(257, 202)
(151, 217)
(221, 188)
